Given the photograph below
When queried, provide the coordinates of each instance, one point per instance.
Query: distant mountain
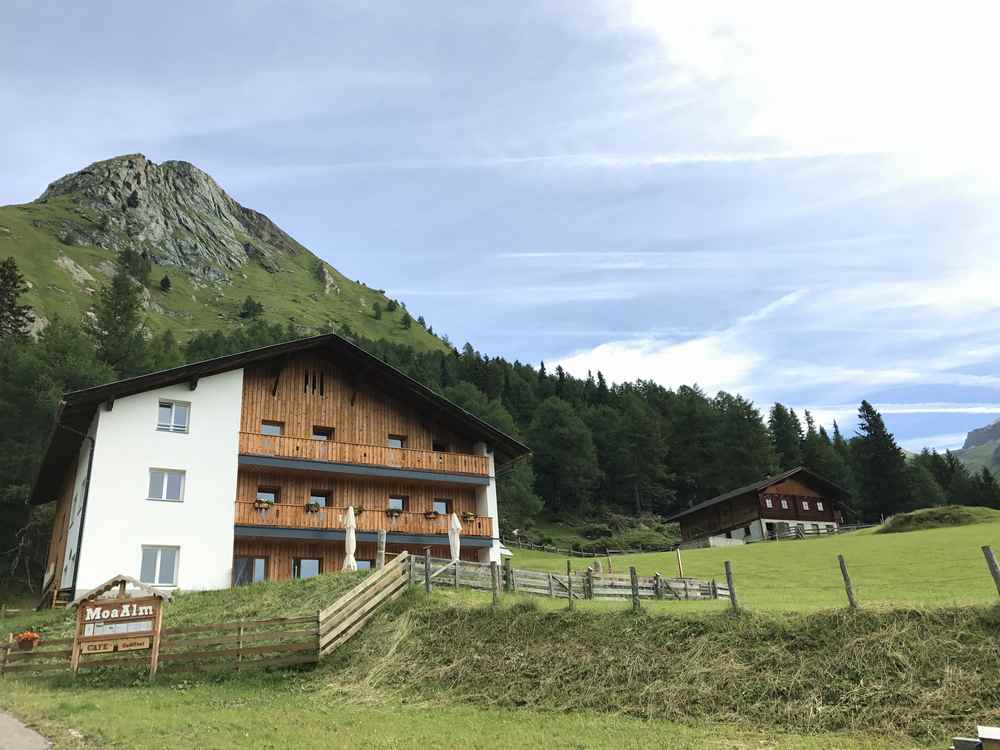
(214, 251)
(982, 448)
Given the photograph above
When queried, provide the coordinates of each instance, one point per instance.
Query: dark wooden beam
(109, 404)
(193, 383)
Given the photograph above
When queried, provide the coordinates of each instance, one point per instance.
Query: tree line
(631, 449)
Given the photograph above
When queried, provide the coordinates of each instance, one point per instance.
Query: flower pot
(27, 644)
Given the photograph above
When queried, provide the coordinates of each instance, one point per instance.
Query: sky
(793, 201)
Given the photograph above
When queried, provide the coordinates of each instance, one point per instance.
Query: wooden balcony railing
(284, 446)
(288, 516)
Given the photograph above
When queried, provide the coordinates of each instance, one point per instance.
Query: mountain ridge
(214, 250)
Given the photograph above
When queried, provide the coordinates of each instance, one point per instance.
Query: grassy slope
(936, 567)
(26, 234)
(978, 456)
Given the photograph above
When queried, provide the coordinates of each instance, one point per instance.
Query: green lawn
(307, 710)
(935, 567)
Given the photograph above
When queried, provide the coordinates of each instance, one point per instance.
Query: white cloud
(947, 441)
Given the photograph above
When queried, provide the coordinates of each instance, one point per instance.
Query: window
(746, 531)
(322, 433)
(819, 505)
(396, 441)
(159, 565)
(275, 429)
(805, 505)
(784, 504)
(306, 567)
(439, 446)
(366, 564)
(320, 497)
(442, 506)
(398, 502)
(173, 416)
(249, 570)
(166, 484)
(269, 494)
(768, 502)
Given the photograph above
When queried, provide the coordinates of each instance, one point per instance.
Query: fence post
(6, 653)
(847, 582)
(413, 569)
(569, 583)
(239, 645)
(611, 568)
(507, 587)
(495, 581)
(427, 569)
(732, 586)
(991, 562)
(458, 567)
(552, 588)
(635, 588)
(589, 592)
(657, 582)
(680, 564)
(380, 550)
(714, 588)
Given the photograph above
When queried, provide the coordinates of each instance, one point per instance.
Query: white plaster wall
(76, 509)
(486, 505)
(120, 520)
(792, 524)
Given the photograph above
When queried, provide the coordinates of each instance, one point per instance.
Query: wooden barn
(794, 499)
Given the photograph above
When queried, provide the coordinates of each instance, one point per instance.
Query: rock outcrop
(172, 211)
(982, 435)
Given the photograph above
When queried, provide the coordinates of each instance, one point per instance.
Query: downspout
(83, 510)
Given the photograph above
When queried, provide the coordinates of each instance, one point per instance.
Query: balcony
(353, 454)
(288, 516)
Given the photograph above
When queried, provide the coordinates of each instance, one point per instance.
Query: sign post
(109, 626)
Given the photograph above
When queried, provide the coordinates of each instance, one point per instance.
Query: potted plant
(394, 512)
(259, 504)
(313, 507)
(468, 516)
(358, 510)
(431, 515)
(26, 641)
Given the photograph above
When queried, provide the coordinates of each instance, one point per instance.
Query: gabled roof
(116, 582)
(801, 473)
(77, 410)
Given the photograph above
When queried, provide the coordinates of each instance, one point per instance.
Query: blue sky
(793, 201)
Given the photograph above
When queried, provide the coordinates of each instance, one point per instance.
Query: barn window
(784, 504)
(768, 502)
(805, 505)
(819, 505)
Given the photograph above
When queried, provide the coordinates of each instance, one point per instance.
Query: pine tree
(251, 309)
(421, 322)
(881, 467)
(391, 306)
(14, 318)
(564, 457)
(376, 311)
(165, 284)
(786, 436)
(407, 321)
(924, 488)
(118, 327)
(987, 490)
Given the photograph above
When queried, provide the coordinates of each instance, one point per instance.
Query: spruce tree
(165, 284)
(376, 311)
(564, 457)
(118, 327)
(881, 467)
(14, 318)
(786, 436)
(407, 321)
(251, 309)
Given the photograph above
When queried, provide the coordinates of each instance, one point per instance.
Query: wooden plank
(359, 601)
(48, 666)
(344, 637)
(236, 625)
(178, 642)
(371, 580)
(362, 613)
(309, 645)
(17, 656)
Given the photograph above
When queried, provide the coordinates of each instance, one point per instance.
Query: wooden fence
(589, 584)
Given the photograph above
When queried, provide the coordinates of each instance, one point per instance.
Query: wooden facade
(796, 498)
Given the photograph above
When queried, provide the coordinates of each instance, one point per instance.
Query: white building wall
(120, 520)
(76, 508)
(486, 505)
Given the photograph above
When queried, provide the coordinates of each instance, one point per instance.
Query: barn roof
(76, 412)
(801, 473)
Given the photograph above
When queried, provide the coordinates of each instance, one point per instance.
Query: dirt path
(15, 736)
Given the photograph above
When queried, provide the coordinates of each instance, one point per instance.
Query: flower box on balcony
(393, 512)
(431, 515)
(358, 510)
(262, 505)
(469, 516)
(313, 507)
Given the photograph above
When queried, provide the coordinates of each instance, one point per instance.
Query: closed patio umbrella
(350, 540)
(454, 536)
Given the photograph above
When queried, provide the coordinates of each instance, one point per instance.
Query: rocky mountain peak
(982, 435)
(173, 211)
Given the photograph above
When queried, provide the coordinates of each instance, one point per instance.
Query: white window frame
(805, 505)
(768, 502)
(156, 566)
(165, 473)
(160, 427)
(784, 504)
(819, 505)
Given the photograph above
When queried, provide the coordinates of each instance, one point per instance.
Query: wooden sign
(107, 626)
